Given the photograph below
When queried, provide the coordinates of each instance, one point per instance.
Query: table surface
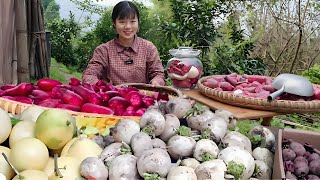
(239, 113)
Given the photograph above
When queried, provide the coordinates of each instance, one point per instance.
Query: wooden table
(239, 113)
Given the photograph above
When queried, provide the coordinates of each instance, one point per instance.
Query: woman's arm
(96, 66)
(155, 68)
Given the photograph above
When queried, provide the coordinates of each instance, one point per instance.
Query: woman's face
(127, 28)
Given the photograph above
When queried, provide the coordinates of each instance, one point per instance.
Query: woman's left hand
(155, 83)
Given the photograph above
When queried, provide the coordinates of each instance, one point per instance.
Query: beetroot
(288, 166)
(47, 84)
(297, 148)
(70, 97)
(51, 103)
(118, 105)
(301, 168)
(94, 108)
(74, 82)
(23, 89)
(315, 167)
(313, 156)
(40, 94)
(288, 155)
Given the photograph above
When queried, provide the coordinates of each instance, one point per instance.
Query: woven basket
(285, 106)
(16, 108)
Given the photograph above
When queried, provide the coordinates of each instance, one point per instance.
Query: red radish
(74, 82)
(231, 79)
(36, 100)
(88, 95)
(268, 87)
(2, 92)
(211, 83)
(182, 83)
(23, 99)
(55, 93)
(108, 95)
(226, 86)
(109, 87)
(160, 96)
(260, 79)
(40, 94)
(100, 83)
(23, 89)
(148, 101)
(7, 86)
(47, 84)
(9, 97)
(125, 90)
(70, 97)
(140, 111)
(51, 103)
(94, 108)
(316, 93)
(118, 105)
(130, 111)
(135, 98)
(68, 107)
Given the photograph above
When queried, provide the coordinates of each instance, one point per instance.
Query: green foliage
(236, 170)
(63, 31)
(313, 74)
(51, 11)
(232, 53)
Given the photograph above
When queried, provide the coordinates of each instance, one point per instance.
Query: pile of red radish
(183, 75)
(254, 86)
(101, 98)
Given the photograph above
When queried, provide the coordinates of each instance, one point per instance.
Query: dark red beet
(315, 167)
(288, 166)
(297, 148)
(288, 155)
(313, 156)
(301, 168)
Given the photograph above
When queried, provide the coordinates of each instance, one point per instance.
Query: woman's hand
(155, 83)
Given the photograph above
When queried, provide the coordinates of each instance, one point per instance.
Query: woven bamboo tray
(16, 108)
(285, 106)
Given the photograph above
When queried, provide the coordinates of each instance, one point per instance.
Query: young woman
(127, 58)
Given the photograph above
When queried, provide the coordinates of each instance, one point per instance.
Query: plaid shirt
(117, 64)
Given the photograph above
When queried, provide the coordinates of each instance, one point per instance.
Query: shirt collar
(121, 48)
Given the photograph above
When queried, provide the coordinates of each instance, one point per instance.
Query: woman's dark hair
(124, 9)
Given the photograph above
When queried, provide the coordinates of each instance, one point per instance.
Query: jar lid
(184, 51)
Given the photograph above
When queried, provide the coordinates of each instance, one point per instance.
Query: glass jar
(184, 69)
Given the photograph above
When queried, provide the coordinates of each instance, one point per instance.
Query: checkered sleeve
(155, 68)
(96, 66)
